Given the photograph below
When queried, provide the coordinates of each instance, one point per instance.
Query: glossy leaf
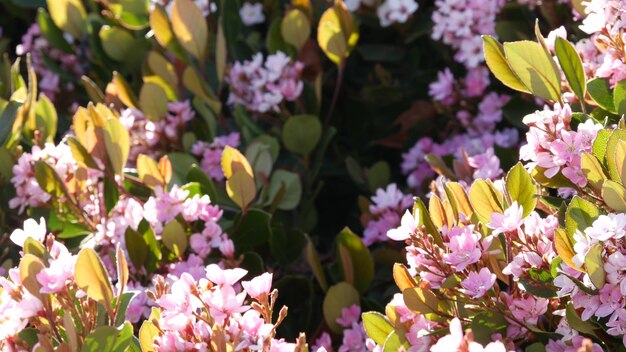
(91, 277)
(497, 63)
(117, 142)
(534, 68)
(593, 171)
(291, 187)
(361, 258)
(485, 200)
(153, 101)
(580, 215)
(594, 265)
(599, 90)
(175, 237)
(337, 33)
(572, 66)
(376, 326)
(339, 296)
(614, 195)
(190, 27)
(240, 188)
(69, 15)
(295, 28)
(521, 188)
(302, 133)
(619, 97)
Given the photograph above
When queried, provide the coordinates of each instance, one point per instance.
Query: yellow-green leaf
(91, 277)
(116, 42)
(148, 171)
(594, 265)
(233, 160)
(572, 67)
(614, 195)
(190, 27)
(534, 68)
(580, 215)
(175, 237)
(521, 188)
(316, 266)
(69, 15)
(147, 333)
(499, 66)
(153, 101)
(339, 296)
(117, 144)
(620, 160)
(376, 326)
(124, 93)
(221, 52)
(337, 34)
(593, 171)
(240, 188)
(29, 267)
(122, 267)
(485, 200)
(402, 277)
(295, 28)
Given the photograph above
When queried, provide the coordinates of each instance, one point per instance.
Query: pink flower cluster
(59, 157)
(553, 146)
(354, 336)
(389, 12)
(608, 303)
(261, 86)
(460, 23)
(384, 213)
(603, 53)
(196, 312)
(34, 43)
(156, 138)
(17, 304)
(211, 154)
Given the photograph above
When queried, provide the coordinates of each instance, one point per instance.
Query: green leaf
(7, 119)
(611, 149)
(497, 63)
(182, 163)
(564, 247)
(109, 339)
(153, 101)
(361, 258)
(580, 215)
(137, 248)
(485, 324)
(69, 15)
(175, 238)
(111, 194)
(48, 179)
(291, 185)
(190, 27)
(376, 326)
(395, 342)
(275, 42)
(91, 277)
(231, 22)
(593, 171)
(313, 259)
(117, 142)
(619, 97)
(51, 32)
(572, 66)
(252, 229)
(424, 301)
(485, 200)
(295, 28)
(574, 321)
(614, 195)
(302, 133)
(594, 265)
(599, 90)
(125, 298)
(337, 33)
(600, 144)
(534, 68)
(46, 118)
(339, 296)
(420, 211)
(116, 42)
(521, 188)
(378, 175)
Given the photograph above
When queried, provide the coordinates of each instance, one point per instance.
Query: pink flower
(463, 247)
(32, 229)
(450, 342)
(477, 284)
(408, 226)
(511, 220)
(260, 286)
(221, 276)
(349, 316)
(443, 88)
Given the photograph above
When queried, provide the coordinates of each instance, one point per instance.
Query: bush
(232, 175)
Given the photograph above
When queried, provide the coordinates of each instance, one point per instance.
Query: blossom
(31, 228)
(477, 284)
(511, 220)
(252, 14)
(605, 227)
(395, 11)
(408, 226)
(226, 276)
(463, 247)
(259, 286)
